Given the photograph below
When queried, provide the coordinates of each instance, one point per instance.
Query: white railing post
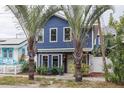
(4, 68)
(15, 70)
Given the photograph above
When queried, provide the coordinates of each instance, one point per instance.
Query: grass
(54, 83)
(9, 80)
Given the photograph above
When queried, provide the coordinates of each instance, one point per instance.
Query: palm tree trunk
(31, 53)
(103, 50)
(78, 55)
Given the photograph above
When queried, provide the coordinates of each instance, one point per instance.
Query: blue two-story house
(55, 46)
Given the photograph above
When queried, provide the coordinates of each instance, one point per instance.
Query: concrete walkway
(65, 77)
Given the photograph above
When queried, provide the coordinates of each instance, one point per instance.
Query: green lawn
(53, 83)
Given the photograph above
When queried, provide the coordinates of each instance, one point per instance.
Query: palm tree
(81, 19)
(32, 19)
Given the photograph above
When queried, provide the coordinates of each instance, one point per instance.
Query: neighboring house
(11, 50)
(96, 60)
(55, 46)
(105, 30)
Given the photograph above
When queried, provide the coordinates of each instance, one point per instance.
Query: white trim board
(14, 46)
(62, 50)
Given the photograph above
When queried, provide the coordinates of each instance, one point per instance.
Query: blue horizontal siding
(59, 23)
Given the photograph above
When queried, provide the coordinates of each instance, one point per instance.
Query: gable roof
(11, 41)
(60, 15)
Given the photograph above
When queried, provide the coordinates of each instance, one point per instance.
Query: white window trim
(47, 61)
(43, 37)
(52, 59)
(64, 35)
(50, 34)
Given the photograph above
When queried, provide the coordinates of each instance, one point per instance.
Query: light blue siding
(20, 50)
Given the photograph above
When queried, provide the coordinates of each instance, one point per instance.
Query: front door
(65, 63)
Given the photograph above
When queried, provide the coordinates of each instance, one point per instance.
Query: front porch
(10, 69)
(9, 66)
(7, 61)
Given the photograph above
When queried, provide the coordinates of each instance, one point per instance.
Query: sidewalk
(65, 77)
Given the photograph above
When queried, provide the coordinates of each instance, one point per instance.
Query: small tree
(117, 53)
(117, 57)
(32, 19)
(81, 19)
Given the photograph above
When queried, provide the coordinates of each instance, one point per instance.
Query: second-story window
(41, 36)
(67, 34)
(53, 35)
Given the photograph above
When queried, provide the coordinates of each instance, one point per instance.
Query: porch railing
(10, 69)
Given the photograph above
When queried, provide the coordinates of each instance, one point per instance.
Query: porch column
(50, 61)
(60, 60)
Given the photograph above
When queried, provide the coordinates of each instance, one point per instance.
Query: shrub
(38, 70)
(55, 71)
(61, 70)
(109, 66)
(85, 69)
(49, 71)
(113, 78)
(44, 70)
(25, 67)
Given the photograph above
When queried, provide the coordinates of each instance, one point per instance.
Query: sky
(9, 27)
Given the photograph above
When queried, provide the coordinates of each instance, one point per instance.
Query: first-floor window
(5, 53)
(55, 61)
(45, 61)
(10, 53)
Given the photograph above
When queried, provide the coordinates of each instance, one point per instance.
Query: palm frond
(82, 18)
(33, 18)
